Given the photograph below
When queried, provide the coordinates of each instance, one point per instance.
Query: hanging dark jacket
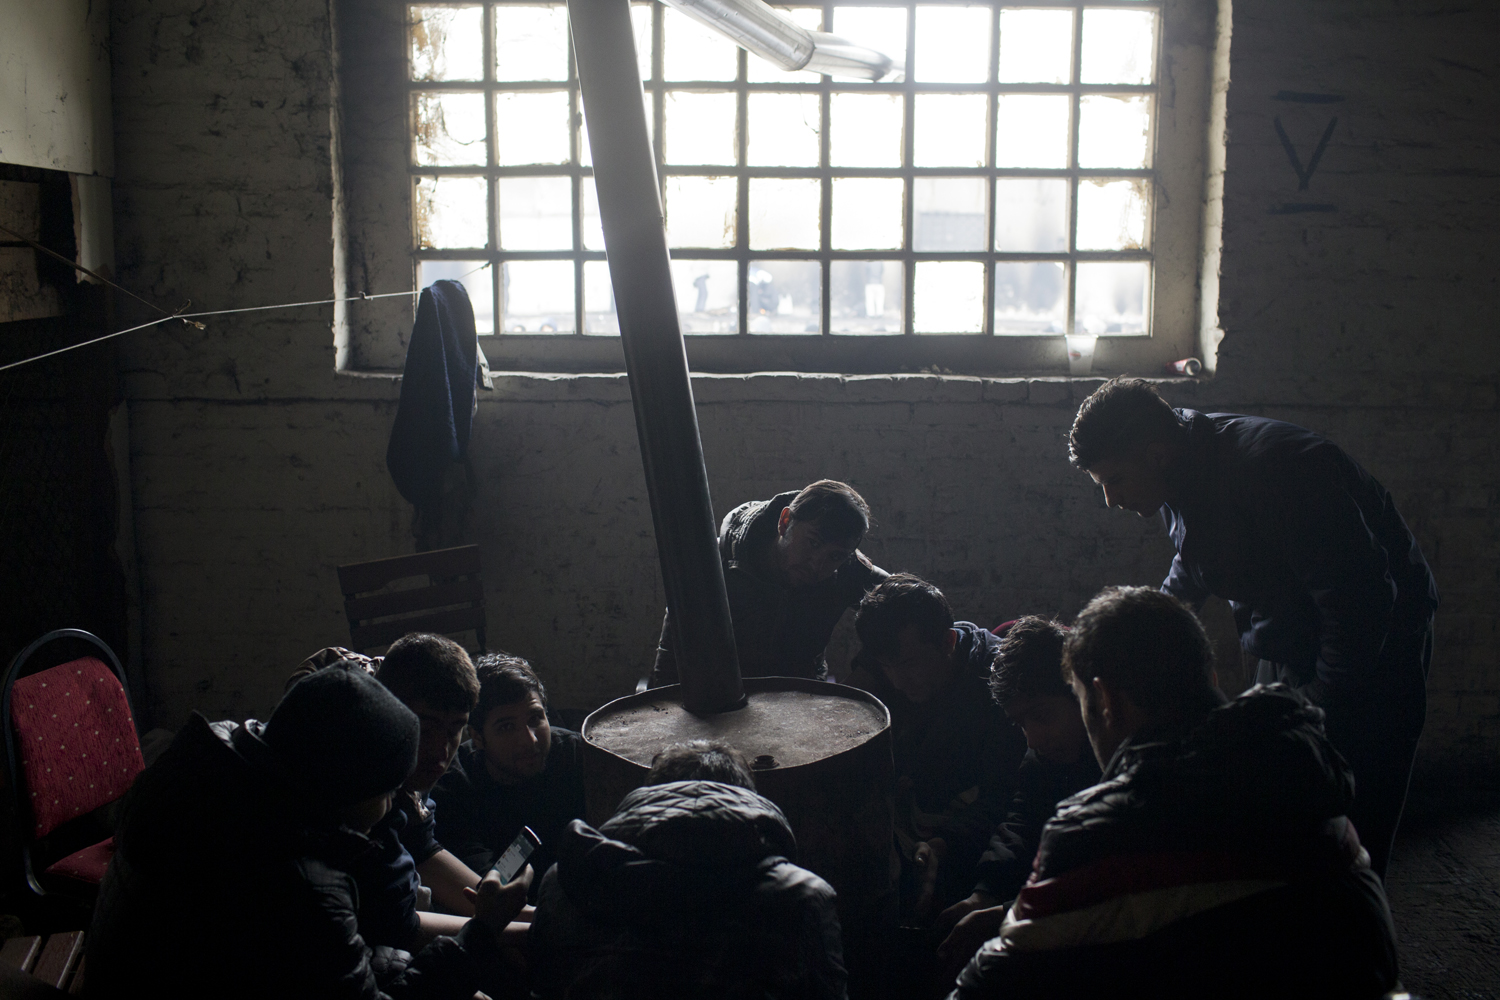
(1306, 546)
(1213, 859)
(220, 887)
(687, 892)
(438, 394)
(779, 631)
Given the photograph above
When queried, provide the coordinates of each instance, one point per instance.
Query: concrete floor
(1444, 888)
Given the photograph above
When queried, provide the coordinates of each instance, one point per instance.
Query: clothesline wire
(187, 317)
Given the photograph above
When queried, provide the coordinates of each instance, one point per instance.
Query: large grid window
(1002, 183)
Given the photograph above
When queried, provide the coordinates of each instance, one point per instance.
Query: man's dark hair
(504, 680)
(433, 669)
(901, 600)
(1120, 416)
(1147, 644)
(1029, 663)
(701, 760)
(835, 508)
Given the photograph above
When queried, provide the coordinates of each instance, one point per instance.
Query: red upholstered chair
(72, 747)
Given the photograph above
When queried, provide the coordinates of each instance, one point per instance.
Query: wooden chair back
(452, 600)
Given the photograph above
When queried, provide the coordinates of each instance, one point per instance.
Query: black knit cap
(339, 737)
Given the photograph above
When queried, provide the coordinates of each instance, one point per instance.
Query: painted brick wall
(257, 470)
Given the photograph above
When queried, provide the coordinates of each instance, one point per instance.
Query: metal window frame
(825, 87)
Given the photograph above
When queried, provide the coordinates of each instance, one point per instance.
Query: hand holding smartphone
(513, 859)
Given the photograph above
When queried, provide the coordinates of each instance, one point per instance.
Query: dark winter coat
(779, 631)
(687, 892)
(956, 758)
(220, 886)
(1214, 860)
(477, 817)
(1306, 546)
(1040, 786)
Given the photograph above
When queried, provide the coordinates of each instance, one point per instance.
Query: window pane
(538, 296)
(531, 43)
(953, 44)
(447, 43)
(451, 212)
(867, 213)
(1112, 297)
(599, 300)
(692, 51)
(640, 25)
(866, 296)
(593, 227)
(948, 214)
(783, 130)
(708, 295)
(1119, 46)
(449, 129)
(784, 213)
(474, 275)
(785, 296)
(1031, 130)
(866, 130)
(1036, 46)
(536, 213)
(950, 130)
(1031, 215)
(1114, 131)
(1112, 214)
(700, 127)
(701, 211)
(763, 71)
(880, 28)
(1031, 298)
(949, 297)
(531, 128)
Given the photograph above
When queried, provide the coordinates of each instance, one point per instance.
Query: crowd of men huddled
(1079, 809)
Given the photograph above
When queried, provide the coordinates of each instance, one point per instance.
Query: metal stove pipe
(635, 241)
(760, 28)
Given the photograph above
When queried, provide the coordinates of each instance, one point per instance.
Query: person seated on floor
(1215, 858)
(1028, 683)
(433, 676)
(516, 770)
(230, 874)
(792, 567)
(688, 891)
(956, 754)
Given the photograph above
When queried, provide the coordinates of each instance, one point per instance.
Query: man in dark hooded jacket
(1329, 588)
(956, 752)
(687, 892)
(792, 567)
(1214, 858)
(230, 875)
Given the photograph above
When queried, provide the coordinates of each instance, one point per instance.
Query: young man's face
(365, 814)
(804, 556)
(442, 732)
(1053, 724)
(920, 670)
(1137, 481)
(1105, 732)
(515, 740)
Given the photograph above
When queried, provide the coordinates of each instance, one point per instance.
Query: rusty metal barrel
(822, 752)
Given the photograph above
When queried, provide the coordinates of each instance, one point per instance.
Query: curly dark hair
(701, 760)
(838, 510)
(504, 680)
(1121, 415)
(1146, 643)
(900, 600)
(421, 666)
(1029, 663)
